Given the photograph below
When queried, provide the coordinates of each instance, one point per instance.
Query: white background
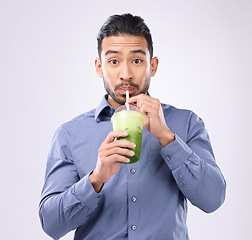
(47, 75)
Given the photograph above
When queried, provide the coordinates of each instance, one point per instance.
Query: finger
(133, 99)
(137, 99)
(115, 134)
(142, 99)
(150, 106)
(148, 101)
(122, 144)
(120, 151)
(146, 109)
(118, 158)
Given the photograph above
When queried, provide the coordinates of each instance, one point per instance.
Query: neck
(113, 103)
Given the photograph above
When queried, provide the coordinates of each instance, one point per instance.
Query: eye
(137, 61)
(113, 61)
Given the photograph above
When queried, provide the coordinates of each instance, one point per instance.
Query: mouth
(123, 89)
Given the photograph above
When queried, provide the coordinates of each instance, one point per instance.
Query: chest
(85, 145)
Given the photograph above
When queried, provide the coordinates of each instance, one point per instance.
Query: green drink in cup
(130, 120)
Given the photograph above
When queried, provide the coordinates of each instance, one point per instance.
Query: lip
(123, 90)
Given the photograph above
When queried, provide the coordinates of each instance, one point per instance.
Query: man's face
(125, 65)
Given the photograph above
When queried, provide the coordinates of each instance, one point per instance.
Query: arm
(63, 205)
(194, 168)
(67, 201)
(192, 163)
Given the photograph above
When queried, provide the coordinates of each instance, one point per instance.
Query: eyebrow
(111, 52)
(138, 51)
(118, 52)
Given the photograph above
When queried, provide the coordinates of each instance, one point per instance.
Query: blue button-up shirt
(146, 200)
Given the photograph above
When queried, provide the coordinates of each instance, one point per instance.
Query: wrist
(166, 138)
(96, 182)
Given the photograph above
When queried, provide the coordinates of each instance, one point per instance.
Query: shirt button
(133, 171)
(133, 199)
(168, 158)
(133, 227)
(181, 184)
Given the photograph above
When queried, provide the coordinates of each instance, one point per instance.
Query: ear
(98, 67)
(154, 66)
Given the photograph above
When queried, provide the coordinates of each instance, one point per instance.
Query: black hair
(124, 24)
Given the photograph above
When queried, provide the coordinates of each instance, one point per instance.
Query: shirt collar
(104, 111)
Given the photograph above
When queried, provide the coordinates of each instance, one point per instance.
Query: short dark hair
(124, 24)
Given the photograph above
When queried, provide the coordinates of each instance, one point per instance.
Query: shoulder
(178, 116)
(79, 121)
(184, 122)
(171, 110)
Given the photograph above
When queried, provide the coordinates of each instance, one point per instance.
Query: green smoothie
(132, 123)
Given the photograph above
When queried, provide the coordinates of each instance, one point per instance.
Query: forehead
(124, 43)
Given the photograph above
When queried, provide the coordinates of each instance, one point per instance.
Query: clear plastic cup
(130, 121)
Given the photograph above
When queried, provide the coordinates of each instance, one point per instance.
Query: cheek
(109, 73)
(143, 73)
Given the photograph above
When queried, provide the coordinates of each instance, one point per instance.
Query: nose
(126, 73)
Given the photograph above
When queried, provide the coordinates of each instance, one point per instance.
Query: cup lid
(131, 108)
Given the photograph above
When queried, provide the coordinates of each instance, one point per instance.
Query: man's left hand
(153, 117)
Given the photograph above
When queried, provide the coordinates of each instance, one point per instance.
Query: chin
(120, 100)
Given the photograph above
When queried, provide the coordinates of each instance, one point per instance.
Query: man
(88, 186)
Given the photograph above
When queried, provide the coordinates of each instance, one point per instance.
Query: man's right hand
(110, 158)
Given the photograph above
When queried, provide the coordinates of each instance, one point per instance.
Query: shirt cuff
(176, 153)
(86, 194)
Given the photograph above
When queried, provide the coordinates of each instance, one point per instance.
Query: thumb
(133, 100)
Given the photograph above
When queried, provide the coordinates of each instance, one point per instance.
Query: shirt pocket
(157, 165)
